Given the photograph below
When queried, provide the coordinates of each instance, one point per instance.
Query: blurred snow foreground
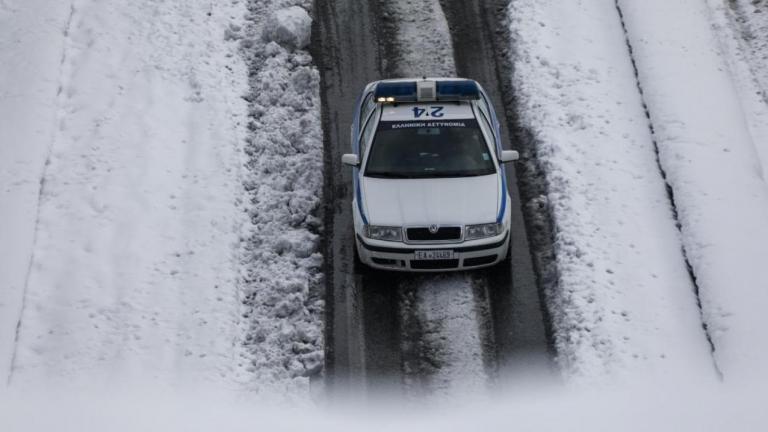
(658, 406)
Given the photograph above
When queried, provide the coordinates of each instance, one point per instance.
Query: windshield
(428, 149)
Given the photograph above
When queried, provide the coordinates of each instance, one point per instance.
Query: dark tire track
(362, 328)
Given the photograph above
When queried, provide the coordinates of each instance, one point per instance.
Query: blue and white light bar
(426, 91)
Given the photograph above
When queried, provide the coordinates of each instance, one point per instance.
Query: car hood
(443, 201)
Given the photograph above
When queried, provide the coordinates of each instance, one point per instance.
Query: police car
(430, 192)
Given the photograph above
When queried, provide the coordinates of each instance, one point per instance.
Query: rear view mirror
(350, 159)
(509, 156)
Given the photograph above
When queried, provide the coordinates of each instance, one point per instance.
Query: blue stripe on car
(495, 120)
(356, 149)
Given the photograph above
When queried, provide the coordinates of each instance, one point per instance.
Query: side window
(370, 127)
(366, 108)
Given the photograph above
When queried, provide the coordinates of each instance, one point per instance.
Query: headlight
(386, 233)
(482, 231)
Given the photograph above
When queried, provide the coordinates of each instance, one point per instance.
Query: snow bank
(281, 281)
(134, 273)
(706, 148)
(623, 302)
(289, 27)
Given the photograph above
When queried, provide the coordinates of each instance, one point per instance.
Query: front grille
(469, 262)
(443, 233)
(434, 264)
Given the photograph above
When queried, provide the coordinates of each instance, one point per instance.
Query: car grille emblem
(433, 229)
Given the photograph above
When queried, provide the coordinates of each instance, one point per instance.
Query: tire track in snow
(361, 312)
(41, 191)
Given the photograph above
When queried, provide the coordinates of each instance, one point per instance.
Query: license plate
(434, 254)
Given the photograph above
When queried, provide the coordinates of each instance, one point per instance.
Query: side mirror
(509, 156)
(350, 159)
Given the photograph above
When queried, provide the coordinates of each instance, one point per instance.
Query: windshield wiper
(459, 174)
(389, 175)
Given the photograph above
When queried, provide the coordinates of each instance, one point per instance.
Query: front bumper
(402, 257)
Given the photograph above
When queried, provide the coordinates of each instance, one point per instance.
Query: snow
(132, 272)
(624, 305)
(158, 202)
(423, 39)
(708, 151)
(281, 281)
(289, 27)
(449, 351)
(30, 55)
(737, 25)
(692, 408)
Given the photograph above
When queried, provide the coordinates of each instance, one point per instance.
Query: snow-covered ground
(712, 160)
(31, 46)
(132, 253)
(624, 305)
(133, 194)
(741, 27)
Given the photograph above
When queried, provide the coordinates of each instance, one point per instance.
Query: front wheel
(357, 263)
(507, 261)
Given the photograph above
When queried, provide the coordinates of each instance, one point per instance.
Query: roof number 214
(433, 111)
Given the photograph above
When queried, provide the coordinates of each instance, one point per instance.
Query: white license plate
(434, 254)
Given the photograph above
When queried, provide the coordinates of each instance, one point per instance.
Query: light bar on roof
(407, 91)
(457, 90)
(401, 91)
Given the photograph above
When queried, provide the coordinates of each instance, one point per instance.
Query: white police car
(430, 191)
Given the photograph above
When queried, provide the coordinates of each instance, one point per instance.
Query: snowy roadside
(30, 55)
(741, 26)
(623, 305)
(134, 273)
(281, 282)
(707, 149)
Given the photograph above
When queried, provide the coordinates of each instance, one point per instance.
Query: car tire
(507, 261)
(357, 263)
